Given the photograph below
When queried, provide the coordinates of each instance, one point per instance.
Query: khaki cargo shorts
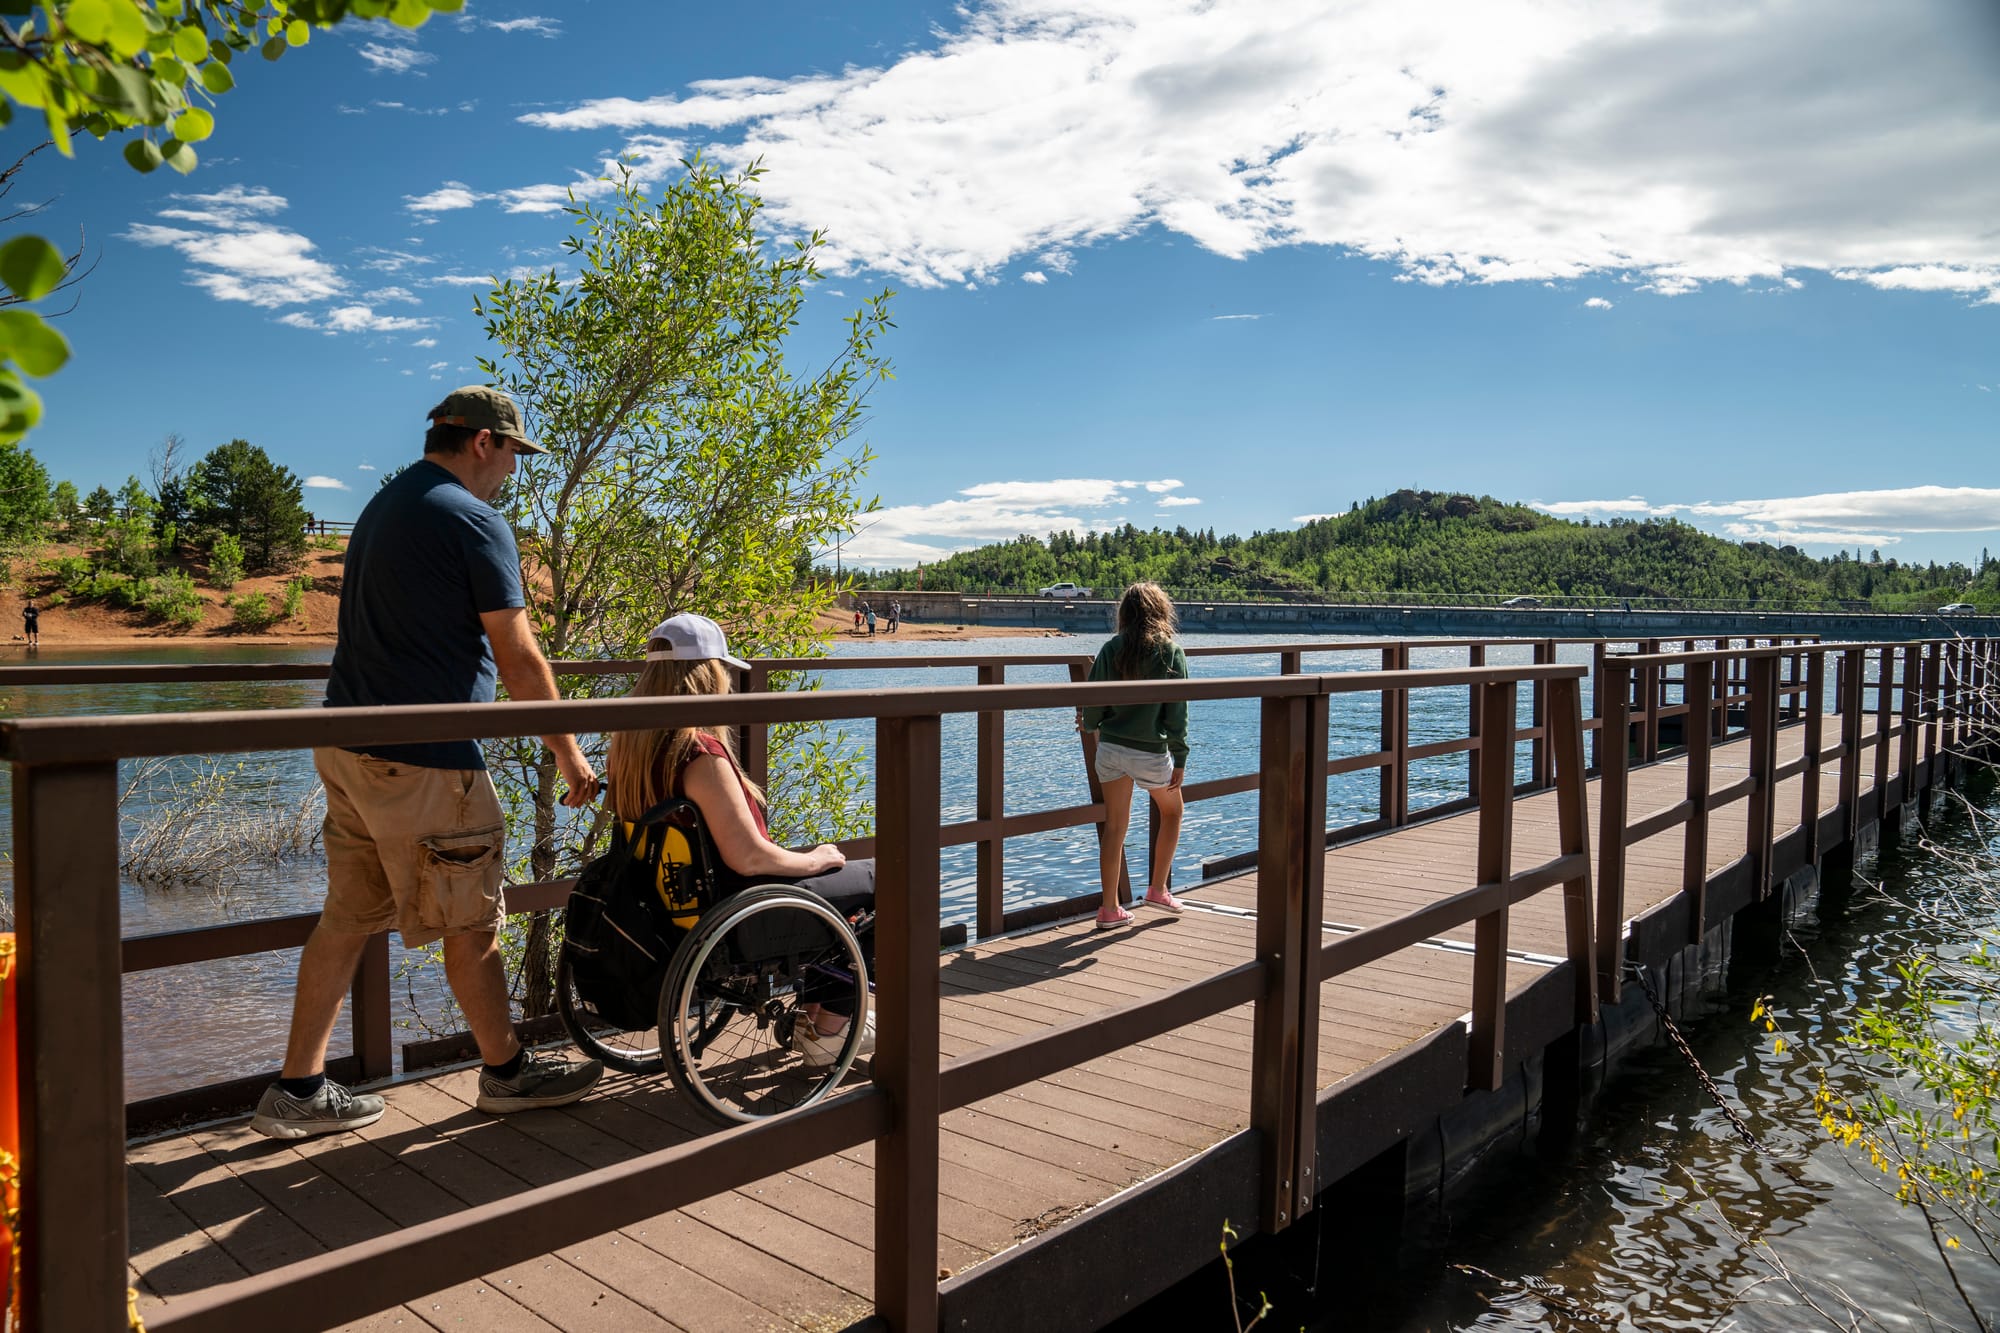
(420, 849)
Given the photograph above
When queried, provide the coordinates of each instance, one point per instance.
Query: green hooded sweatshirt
(1154, 728)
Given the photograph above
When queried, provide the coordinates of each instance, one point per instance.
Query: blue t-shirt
(427, 558)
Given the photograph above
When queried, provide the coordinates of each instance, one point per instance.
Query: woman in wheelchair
(688, 655)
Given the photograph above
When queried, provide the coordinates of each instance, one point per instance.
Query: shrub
(73, 570)
(54, 600)
(252, 611)
(172, 597)
(295, 596)
(225, 561)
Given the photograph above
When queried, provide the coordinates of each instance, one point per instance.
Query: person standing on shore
(871, 618)
(431, 609)
(31, 623)
(1144, 744)
(895, 616)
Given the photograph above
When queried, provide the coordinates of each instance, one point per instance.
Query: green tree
(225, 561)
(65, 505)
(108, 66)
(689, 468)
(25, 506)
(100, 505)
(237, 489)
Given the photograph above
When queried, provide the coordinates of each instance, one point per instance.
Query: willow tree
(689, 466)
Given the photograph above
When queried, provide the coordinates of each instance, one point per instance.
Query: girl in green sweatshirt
(1144, 744)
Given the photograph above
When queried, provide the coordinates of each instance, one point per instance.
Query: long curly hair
(1146, 625)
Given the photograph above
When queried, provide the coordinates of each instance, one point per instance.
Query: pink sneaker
(1112, 919)
(1164, 900)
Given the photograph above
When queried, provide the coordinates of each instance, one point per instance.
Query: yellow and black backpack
(630, 907)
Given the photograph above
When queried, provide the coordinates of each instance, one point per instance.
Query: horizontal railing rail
(65, 794)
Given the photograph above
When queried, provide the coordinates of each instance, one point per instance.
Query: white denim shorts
(1143, 767)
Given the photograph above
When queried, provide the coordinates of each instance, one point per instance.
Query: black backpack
(629, 909)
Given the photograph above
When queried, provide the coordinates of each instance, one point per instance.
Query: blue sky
(1226, 264)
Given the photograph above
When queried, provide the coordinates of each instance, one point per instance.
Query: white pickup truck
(1064, 590)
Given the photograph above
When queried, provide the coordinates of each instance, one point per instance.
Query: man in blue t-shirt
(431, 612)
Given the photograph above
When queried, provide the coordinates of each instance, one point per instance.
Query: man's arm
(525, 673)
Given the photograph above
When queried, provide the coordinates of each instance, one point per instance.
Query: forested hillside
(1441, 543)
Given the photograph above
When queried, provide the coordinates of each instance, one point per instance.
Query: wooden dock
(792, 1250)
(1377, 1003)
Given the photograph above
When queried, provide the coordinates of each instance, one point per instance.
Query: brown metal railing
(67, 877)
(1930, 701)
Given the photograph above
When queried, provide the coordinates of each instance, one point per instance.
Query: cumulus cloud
(1035, 276)
(394, 294)
(356, 319)
(1674, 141)
(425, 342)
(318, 483)
(1597, 303)
(535, 25)
(236, 251)
(1834, 518)
(902, 535)
(386, 59)
(1176, 501)
(364, 467)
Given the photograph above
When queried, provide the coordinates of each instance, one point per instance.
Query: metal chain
(1674, 1034)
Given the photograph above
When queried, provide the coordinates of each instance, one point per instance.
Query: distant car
(1522, 601)
(1064, 590)
(1956, 609)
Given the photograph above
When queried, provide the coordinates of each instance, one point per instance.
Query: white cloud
(991, 511)
(357, 319)
(384, 59)
(318, 483)
(391, 261)
(393, 294)
(240, 256)
(459, 280)
(437, 365)
(365, 467)
(1834, 518)
(533, 24)
(1236, 317)
(1675, 141)
(1175, 501)
(425, 342)
(1035, 276)
(1597, 303)
(446, 198)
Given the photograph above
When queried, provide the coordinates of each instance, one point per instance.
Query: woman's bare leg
(1111, 854)
(1167, 838)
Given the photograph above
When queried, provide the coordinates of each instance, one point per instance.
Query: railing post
(1475, 656)
(1573, 833)
(1077, 672)
(1906, 700)
(990, 808)
(1649, 707)
(1761, 826)
(71, 1047)
(1885, 672)
(753, 739)
(907, 758)
(1487, 1056)
(1395, 804)
(1933, 663)
(1815, 741)
(1694, 855)
(371, 1011)
(1291, 857)
(1613, 766)
(1850, 743)
(1597, 688)
(1539, 749)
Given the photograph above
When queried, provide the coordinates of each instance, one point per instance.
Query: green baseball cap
(481, 407)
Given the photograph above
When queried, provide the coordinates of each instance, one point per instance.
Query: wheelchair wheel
(631, 1052)
(732, 1014)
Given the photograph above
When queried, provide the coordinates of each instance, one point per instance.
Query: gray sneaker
(328, 1111)
(542, 1080)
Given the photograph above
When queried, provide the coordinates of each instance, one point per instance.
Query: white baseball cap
(691, 638)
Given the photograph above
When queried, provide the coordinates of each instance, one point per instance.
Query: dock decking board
(793, 1250)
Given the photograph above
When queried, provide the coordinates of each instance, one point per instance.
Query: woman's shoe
(1113, 918)
(820, 1049)
(1164, 900)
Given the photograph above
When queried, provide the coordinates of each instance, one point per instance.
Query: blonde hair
(1146, 625)
(643, 764)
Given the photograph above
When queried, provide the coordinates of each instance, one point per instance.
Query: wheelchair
(741, 967)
